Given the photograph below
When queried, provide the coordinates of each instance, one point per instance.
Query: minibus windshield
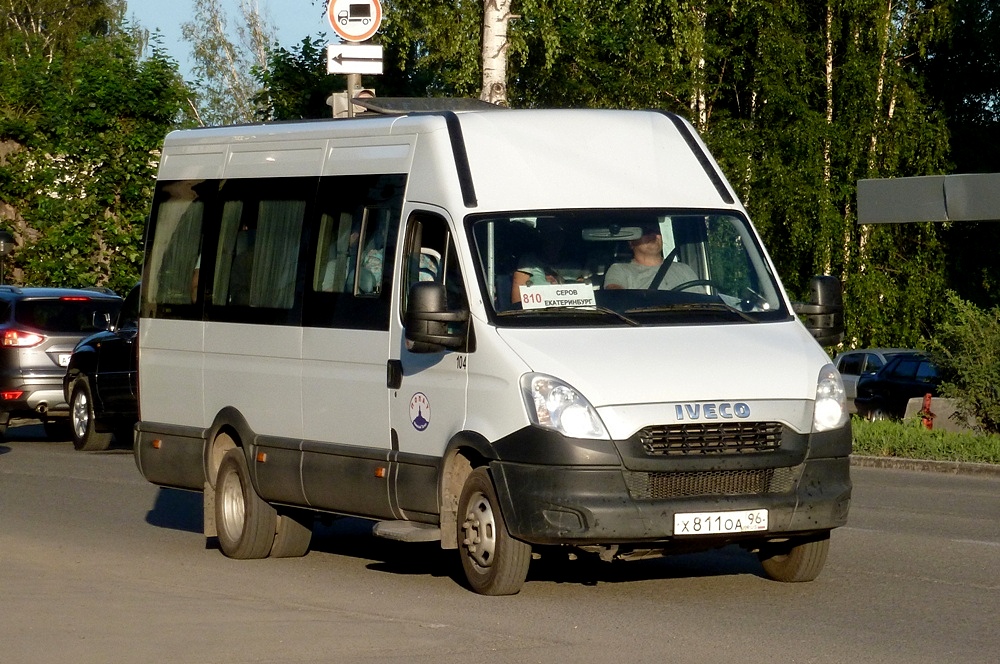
(623, 267)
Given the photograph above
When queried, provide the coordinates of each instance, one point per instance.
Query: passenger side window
(258, 253)
(353, 249)
(172, 268)
(851, 365)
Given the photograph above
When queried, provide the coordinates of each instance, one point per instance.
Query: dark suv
(100, 383)
(39, 327)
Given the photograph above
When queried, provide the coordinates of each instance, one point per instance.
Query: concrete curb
(953, 467)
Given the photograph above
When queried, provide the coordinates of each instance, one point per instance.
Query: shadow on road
(348, 536)
(176, 510)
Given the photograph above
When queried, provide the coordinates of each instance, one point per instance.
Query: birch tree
(496, 18)
(225, 59)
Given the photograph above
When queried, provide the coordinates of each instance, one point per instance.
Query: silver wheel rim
(480, 530)
(233, 507)
(81, 415)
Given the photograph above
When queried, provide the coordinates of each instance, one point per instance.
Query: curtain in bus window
(176, 252)
(223, 290)
(276, 253)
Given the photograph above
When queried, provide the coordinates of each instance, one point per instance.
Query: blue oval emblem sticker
(420, 411)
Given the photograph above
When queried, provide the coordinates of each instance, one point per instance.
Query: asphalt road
(96, 565)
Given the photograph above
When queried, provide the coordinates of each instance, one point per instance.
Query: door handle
(394, 374)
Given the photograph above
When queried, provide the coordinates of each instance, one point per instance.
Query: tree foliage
(226, 60)
(967, 351)
(80, 125)
(798, 101)
(295, 84)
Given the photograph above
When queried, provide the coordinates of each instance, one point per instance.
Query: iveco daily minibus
(509, 331)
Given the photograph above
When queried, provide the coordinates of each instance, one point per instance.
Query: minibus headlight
(830, 411)
(555, 405)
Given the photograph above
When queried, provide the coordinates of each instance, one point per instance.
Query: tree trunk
(496, 18)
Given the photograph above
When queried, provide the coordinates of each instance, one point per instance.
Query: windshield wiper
(695, 307)
(576, 311)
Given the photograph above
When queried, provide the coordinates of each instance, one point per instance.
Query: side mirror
(824, 312)
(430, 326)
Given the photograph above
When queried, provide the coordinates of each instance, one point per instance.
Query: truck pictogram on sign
(355, 20)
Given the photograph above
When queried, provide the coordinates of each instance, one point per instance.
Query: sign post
(353, 21)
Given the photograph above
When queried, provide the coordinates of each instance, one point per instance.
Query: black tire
(494, 562)
(246, 524)
(796, 561)
(293, 535)
(81, 417)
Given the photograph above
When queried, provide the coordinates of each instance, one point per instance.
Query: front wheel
(494, 562)
(81, 417)
(246, 524)
(797, 560)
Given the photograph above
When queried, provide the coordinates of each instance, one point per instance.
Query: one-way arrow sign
(353, 59)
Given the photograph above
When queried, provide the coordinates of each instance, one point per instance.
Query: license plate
(64, 359)
(715, 523)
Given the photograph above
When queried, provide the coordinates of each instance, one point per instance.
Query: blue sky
(293, 20)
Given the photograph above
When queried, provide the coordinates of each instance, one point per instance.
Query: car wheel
(876, 414)
(797, 560)
(81, 417)
(246, 524)
(494, 562)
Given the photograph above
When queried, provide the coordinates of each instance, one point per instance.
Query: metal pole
(353, 86)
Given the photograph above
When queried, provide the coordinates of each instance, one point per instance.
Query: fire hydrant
(926, 415)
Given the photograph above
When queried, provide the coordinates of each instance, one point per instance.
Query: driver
(647, 259)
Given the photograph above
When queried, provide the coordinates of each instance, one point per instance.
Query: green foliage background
(80, 126)
(797, 100)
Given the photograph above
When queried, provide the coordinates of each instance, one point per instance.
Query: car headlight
(553, 404)
(830, 411)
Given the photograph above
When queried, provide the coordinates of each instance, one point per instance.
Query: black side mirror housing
(823, 314)
(430, 325)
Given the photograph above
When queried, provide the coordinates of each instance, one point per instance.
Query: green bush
(966, 348)
(909, 439)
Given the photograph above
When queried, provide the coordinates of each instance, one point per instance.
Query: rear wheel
(797, 560)
(494, 562)
(81, 416)
(246, 524)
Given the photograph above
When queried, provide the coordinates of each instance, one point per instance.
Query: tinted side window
(850, 365)
(173, 251)
(873, 363)
(905, 368)
(353, 247)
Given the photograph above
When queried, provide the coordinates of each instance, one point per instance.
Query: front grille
(711, 439)
(754, 482)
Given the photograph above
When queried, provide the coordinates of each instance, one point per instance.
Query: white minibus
(507, 331)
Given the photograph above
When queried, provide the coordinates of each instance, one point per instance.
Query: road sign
(353, 59)
(355, 20)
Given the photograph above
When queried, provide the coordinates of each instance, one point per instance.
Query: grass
(910, 440)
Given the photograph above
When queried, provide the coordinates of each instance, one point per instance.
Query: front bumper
(546, 503)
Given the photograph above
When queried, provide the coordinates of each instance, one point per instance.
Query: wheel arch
(466, 451)
(229, 429)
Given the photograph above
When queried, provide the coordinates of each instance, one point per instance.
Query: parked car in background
(100, 382)
(886, 392)
(852, 364)
(39, 327)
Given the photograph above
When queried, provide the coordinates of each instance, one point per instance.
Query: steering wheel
(695, 282)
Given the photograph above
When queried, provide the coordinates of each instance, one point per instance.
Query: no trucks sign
(355, 20)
